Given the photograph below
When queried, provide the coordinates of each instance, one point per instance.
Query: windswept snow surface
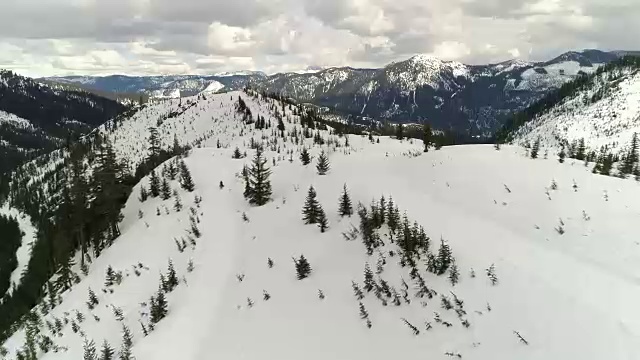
(571, 296)
(23, 254)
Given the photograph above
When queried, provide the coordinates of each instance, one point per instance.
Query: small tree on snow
(258, 186)
(323, 164)
(535, 149)
(311, 209)
(345, 208)
(323, 223)
(127, 344)
(303, 268)
(491, 274)
(186, 181)
(305, 157)
(89, 350)
(562, 155)
(165, 189)
(369, 282)
(454, 274)
(107, 352)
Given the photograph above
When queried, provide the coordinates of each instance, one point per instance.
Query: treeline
(80, 212)
(11, 240)
(582, 82)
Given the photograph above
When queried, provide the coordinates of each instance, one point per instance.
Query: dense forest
(580, 83)
(11, 240)
(56, 117)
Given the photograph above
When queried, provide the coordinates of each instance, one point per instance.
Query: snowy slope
(213, 87)
(610, 121)
(570, 296)
(13, 120)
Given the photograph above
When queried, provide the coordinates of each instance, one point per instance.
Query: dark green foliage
(311, 209)
(154, 147)
(630, 160)
(305, 157)
(357, 291)
(454, 274)
(491, 274)
(110, 277)
(89, 350)
(411, 326)
(165, 189)
(93, 300)
(107, 352)
(144, 195)
(10, 243)
(172, 278)
(369, 282)
(127, 344)
(323, 222)
(399, 131)
(345, 208)
(303, 268)
(154, 184)
(186, 181)
(323, 164)
(561, 155)
(158, 306)
(535, 149)
(236, 153)
(444, 258)
(581, 150)
(257, 184)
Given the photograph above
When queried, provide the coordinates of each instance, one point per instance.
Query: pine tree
(305, 157)
(345, 208)
(177, 204)
(454, 274)
(154, 147)
(144, 195)
(561, 155)
(535, 149)
(444, 258)
(426, 137)
(165, 189)
(177, 149)
(110, 277)
(303, 268)
(323, 222)
(154, 184)
(581, 150)
(399, 132)
(258, 186)
(89, 350)
(186, 181)
(107, 352)
(158, 307)
(172, 277)
(93, 300)
(323, 164)
(369, 282)
(631, 157)
(127, 344)
(311, 209)
(236, 153)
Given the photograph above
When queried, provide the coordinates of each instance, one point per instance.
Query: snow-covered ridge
(609, 121)
(23, 253)
(14, 120)
(490, 206)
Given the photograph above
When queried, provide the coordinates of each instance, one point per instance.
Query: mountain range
(470, 99)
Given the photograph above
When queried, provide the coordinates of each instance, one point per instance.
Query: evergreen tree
(311, 209)
(177, 149)
(158, 307)
(444, 258)
(305, 157)
(323, 223)
(535, 149)
(345, 208)
(258, 186)
(236, 153)
(154, 184)
(581, 150)
(93, 300)
(426, 137)
(186, 181)
(127, 344)
(323, 164)
(172, 278)
(303, 268)
(631, 157)
(154, 147)
(172, 171)
(177, 204)
(369, 282)
(89, 350)
(165, 189)
(399, 132)
(561, 155)
(107, 352)
(110, 278)
(144, 195)
(454, 273)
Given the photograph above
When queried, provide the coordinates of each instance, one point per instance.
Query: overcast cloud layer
(59, 37)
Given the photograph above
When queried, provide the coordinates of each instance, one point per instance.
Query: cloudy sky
(59, 37)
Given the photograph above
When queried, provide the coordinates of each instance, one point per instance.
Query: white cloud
(157, 36)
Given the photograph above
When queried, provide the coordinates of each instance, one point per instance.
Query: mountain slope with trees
(197, 224)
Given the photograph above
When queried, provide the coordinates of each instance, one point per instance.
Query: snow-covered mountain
(471, 100)
(603, 109)
(534, 275)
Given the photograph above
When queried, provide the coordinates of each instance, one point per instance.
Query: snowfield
(569, 296)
